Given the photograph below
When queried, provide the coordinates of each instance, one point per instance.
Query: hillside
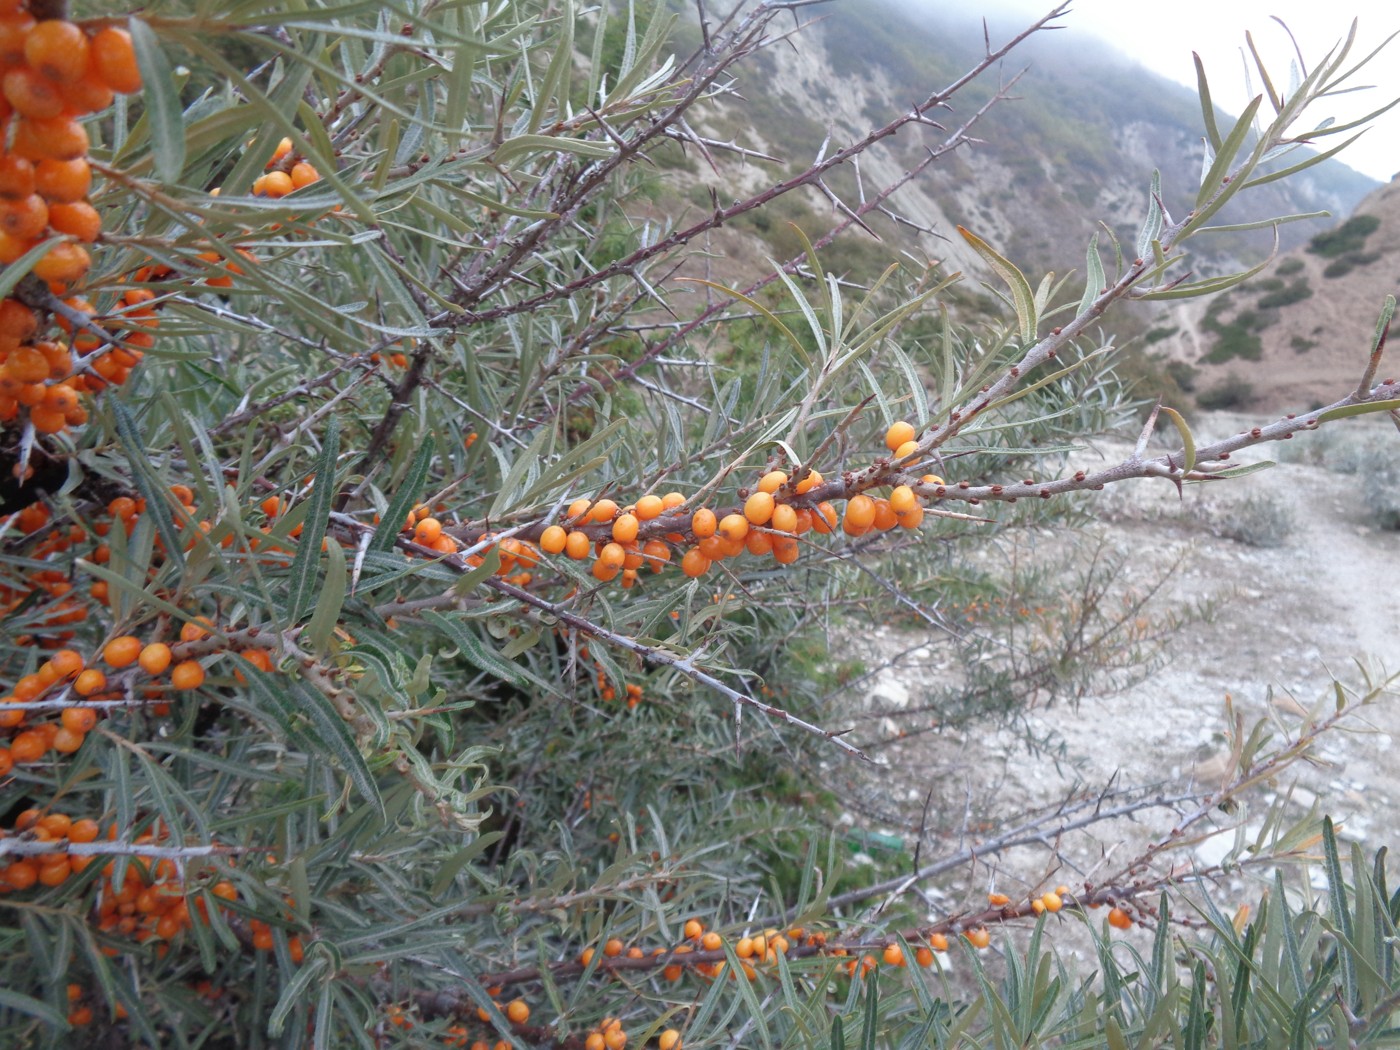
(1301, 331)
(1075, 146)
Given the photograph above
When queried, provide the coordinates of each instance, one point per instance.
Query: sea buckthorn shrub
(417, 634)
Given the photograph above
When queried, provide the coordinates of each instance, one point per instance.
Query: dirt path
(1287, 618)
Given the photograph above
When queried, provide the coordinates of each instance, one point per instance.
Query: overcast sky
(1162, 37)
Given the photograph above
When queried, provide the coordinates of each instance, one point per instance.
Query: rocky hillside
(1300, 333)
(1076, 147)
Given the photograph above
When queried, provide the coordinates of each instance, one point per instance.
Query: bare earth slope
(1285, 617)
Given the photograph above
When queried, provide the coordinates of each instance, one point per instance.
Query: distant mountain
(1077, 147)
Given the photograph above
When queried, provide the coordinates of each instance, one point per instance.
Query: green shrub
(1295, 292)
(1346, 238)
(342, 705)
(1234, 391)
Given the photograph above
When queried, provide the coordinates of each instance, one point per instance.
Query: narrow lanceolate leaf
(522, 145)
(1225, 153)
(1207, 106)
(403, 500)
(302, 586)
(162, 103)
(314, 724)
(25, 1004)
(134, 444)
(327, 615)
(1340, 913)
(1188, 443)
(1243, 470)
(1210, 285)
(1358, 410)
(1152, 225)
(483, 656)
(1094, 277)
(1021, 296)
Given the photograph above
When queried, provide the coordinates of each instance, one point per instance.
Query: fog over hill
(1076, 146)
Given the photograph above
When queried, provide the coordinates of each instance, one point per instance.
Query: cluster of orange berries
(632, 690)
(286, 171)
(517, 1011)
(53, 72)
(47, 869)
(768, 523)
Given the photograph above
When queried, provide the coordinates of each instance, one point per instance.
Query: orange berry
(612, 555)
(554, 539)
(758, 543)
(703, 523)
(978, 938)
(911, 519)
(656, 554)
(1052, 901)
(57, 138)
(114, 60)
(772, 481)
(155, 658)
(732, 529)
(898, 434)
(517, 1011)
(670, 1039)
(188, 674)
(427, 531)
(906, 449)
(196, 629)
(711, 942)
(605, 572)
(694, 564)
(1119, 919)
(785, 549)
(885, 517)
(648, 507)
(586, 956)
(28, 746)
(613, 947)
(894, 955)
(810, 481)
(938, 942)
(30, 94)
(63, 263)
(89, 682)
(57, 49)
(923, 957)
(122, 651)
(21, 875)
(603, 511)
(784, 518)
(83, 830)
(624, 528)
(66, 741)
(63, 181)
(16, 182)
(25, 364)
(303, 174)
(758, 508)
(860, 515)
(78, 719)
(273, 184)
(578, 546)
